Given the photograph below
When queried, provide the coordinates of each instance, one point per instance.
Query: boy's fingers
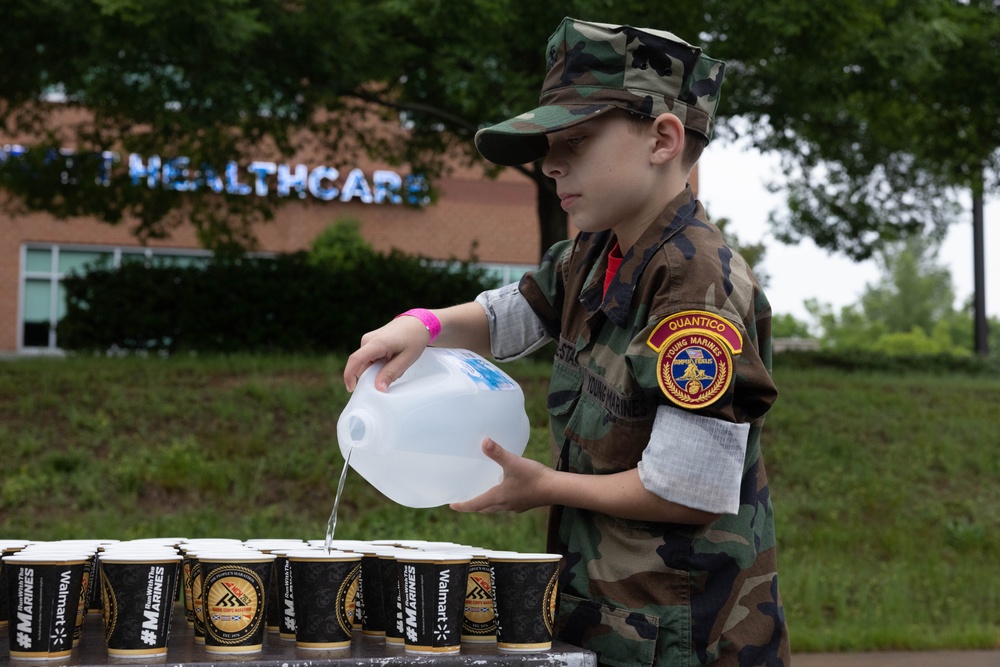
(494, 451)
(395, 367)
(358, 363)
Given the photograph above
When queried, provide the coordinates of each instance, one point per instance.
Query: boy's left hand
(520, 489)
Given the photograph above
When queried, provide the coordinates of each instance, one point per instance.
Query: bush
(281, 304)
(868, 361)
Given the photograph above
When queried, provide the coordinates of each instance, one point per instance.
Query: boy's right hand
(398, 343)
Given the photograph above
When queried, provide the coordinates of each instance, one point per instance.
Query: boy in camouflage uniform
(661, 376)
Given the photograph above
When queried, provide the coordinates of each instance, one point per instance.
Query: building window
(507, 273)
(43, 298)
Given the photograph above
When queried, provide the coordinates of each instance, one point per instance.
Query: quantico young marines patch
(695, 363)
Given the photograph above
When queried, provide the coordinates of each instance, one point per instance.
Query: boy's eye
(575, 141)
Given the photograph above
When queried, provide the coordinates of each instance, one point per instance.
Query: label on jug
(482, 372)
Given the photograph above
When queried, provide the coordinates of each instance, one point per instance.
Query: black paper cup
(525, 589)
(325, 586)
(286, 589)
(392, 604)
(479, 623)
(234, 588)
(187, 572)
(196, 583)
(94, 603)
(353, 546)
(432, 590)
(191, 572)
(44, 590)
(90, 575)
(275, 595)
(7, 548)
(138, 590)
(371, 608)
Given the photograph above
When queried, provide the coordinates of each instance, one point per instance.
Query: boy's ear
(668, 132)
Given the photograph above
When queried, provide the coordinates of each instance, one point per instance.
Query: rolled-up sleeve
(695, 461)
(515, 329)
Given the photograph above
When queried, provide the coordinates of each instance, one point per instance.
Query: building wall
(497, 217)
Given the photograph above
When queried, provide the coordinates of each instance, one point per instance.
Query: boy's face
(604, 175)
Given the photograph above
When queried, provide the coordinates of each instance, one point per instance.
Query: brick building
(495, 217)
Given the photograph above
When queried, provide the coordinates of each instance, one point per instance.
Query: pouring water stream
(331, 525)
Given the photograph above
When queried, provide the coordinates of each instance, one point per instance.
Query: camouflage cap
(595, 67)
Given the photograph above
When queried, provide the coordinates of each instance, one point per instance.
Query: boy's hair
(694, 143)
(596, 67)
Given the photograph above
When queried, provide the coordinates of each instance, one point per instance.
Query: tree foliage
(880, 110)
(879, 107)
(910, 309)
(206, 81)
(341, 245)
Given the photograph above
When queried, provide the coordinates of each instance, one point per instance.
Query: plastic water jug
(420, 442)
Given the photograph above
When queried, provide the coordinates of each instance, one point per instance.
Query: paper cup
(392, 604)
(525, 589)
(7, 548)
(432, 591)
(43, 598)
(479, 623)
(325, 586)
(138, 596)
(234, 588)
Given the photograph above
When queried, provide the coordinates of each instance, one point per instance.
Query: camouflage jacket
(684, 323)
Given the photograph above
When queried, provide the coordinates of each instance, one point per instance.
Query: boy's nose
(553, 165)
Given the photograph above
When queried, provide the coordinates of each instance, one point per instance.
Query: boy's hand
(522, 487)
(527, 484)
(399, 343)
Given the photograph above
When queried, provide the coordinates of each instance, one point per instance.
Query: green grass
(886, 484)
(888, 504)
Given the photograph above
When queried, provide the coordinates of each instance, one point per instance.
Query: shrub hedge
(281, 304)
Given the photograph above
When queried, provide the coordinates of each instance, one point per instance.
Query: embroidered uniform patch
(695, 363)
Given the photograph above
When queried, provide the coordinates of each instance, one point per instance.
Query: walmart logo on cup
(59, 632)
(441, 629)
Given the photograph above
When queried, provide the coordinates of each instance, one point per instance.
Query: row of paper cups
(426, 597)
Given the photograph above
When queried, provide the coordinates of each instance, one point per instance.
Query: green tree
(210, 82)
(908, 310)
(341, 246)
(884, 112)
(786, 325)
(913, 292)
(213, 83)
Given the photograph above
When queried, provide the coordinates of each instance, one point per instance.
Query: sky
(731, 181)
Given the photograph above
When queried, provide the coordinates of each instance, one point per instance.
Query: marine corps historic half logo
(695, 364)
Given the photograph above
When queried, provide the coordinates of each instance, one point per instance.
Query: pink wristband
(429, 320)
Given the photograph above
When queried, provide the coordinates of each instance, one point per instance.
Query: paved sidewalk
(899, 659)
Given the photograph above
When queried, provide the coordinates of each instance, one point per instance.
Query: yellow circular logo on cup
(549, 601)
(479, 622)
(233, 598)
(347, 600)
